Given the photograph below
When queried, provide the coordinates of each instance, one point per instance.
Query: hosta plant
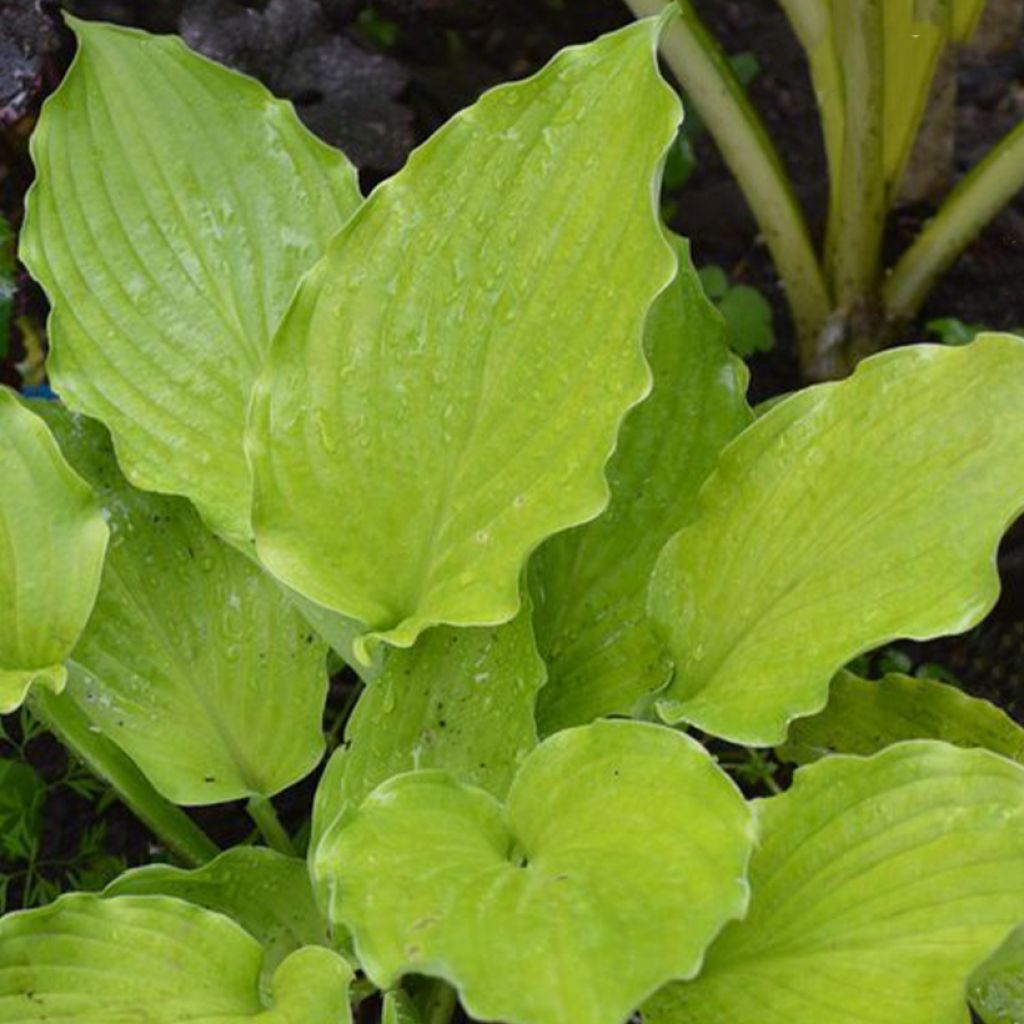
(872, 64)
(481, 434)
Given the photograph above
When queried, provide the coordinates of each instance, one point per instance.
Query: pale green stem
(969, 207)
(705, 74)
(811, 21)
(175, 829)
(857, 213)
(262, 812)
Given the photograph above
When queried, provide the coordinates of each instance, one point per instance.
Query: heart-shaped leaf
(590, 583)
(878, 885)
(176, 205)
(620, 853)
(449, 382)
(89, 960)
(461, 700)
(268, 894)
(863, 717)
(194, 662)
(848, 515)
(52, 543)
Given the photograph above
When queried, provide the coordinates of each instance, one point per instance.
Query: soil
(377, 80)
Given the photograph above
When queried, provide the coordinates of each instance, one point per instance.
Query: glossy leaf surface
(449, 383)
(619, 854)
(863, 717)
(266, 893)
(194, 662)
(52, 543)
(877, 887)
(89, 960)
(848, 515)
(460, 700)
(590, 583)
(177, 205)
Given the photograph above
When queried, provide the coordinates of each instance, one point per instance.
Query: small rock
(346, 95)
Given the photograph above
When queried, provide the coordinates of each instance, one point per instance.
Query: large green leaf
(176, 206)
(863, 717)
(878, 885)
(194, 662)
(590, 583)
(620, 853)
(90, 960)
(848, 515)
(52, 543)
(268, 894)
(460, 700)
(449, 382)
(996, 988)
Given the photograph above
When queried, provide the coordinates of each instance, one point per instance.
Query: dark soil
(377, 80)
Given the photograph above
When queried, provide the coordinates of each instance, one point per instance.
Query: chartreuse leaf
(863, 717)
(176, 206)
(90, 960)
(268, 894)
(52, 543)
(449, 382)
(460, 700)
(619, 854)
(877, 886)
(590, 583)
(194, 662)
(996, 988)
(826, 530)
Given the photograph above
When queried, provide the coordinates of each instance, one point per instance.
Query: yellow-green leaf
(620, 852)
(863, 717)
(194, 661)
(590, 583)
(848, 515)
(52, 543)
(176, 205)
(877, 887)
(89, 960)
(450, 380)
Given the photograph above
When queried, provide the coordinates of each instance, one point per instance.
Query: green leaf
(572, 904)
(460, 700)
(176, 206)
(268, 894)
(450, 380)
(877, 887)
(749, 319)
(863, 717)
(52, 542)
(21, 809)
(951, 331)
(996, 988)
(90, 960)
(589, 584)
(194, 662)
(847, 516)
